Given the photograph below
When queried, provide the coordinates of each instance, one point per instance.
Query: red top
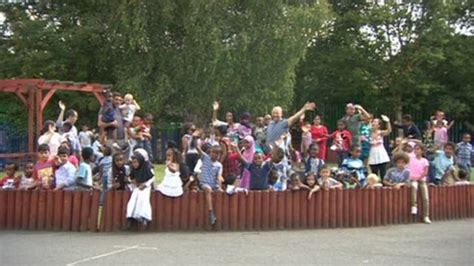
(5, 178)
(44, 172)
(342, 139)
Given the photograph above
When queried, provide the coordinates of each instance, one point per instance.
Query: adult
(50, 137)
(121, 137)
(280, 126)
(410, 130)
(353, 117)
(232, 127)
(378, 156)
(319, 135)
(71, 117)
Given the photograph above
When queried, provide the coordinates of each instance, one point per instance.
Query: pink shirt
(440, 135)
(417, 168)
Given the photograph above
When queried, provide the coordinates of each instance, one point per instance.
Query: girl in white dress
(172, 185)
(378, 156)
(142, 176)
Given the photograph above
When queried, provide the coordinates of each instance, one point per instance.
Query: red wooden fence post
(65, 224)
(3, 209)
(243, 204)
(280, 209)
(76, 210)
(18, 207)
(33, 221)
(318, 200)
(234, 211)
(295, 196)
(265, 209)
(58, 206)
(85, 210)
(273, 210)
(340, 208)
(25, 202)
(185, 210)
(257, 210)
(333, 208)
(325, 210)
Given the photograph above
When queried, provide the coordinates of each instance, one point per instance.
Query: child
(463, 178)
(306, 138)
(326, 181)
(72, 156)
(272, 181)
(295, 182)
(84, 174)
(119, 172)
(355, 165)
(319, 134)
(107, 111)
(378, 156)
(172, 185)
(310, 184)
(259, 171)
(192, 185)
(313, 163)
(398, 176)
(43, 172)
(373, 181)
(464, 153)
(65, 178)
(441, 133)
(430, 147)
(146, 142)
(248, 152)
(128, 108)
(365, 132)
(418, 168)
(85, 137)
(70, 137)
(211, 177)
(142, 176)
(342, 141)
(280, 169)
(10, 181)
(27, 181)
(105, 164)
(260, 133)
(443, 164)
(233, 185)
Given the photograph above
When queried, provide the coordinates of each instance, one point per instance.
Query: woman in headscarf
(142, 176)
(248, 152)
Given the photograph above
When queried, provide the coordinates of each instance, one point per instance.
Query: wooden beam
(22, 98)
(31, 119)
(46, 99)
(16, 155)
(99, 97)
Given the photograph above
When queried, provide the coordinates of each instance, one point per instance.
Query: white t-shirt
(128, 111)
(54, 142)
(85, 139)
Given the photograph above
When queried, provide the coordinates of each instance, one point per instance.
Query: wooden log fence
(259, 210)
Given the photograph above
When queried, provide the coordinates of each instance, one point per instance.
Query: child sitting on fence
(142, 176)
(233, 186)
(325, 180)
(463, 178)
(279, 168)
(443, 164)
(258, 170)
(43, 171)
(310, 184)
(313, 163)
(27, 181)
(65, 175)
(295, 182)
(398, 176)
(354, 166)
(211, 176)
(172, 184)
(373, 181)
(119, 172)
(10, 180)
(464, 153)
(418, 168)
(84, 179)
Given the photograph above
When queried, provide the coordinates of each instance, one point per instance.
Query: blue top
(464, 153)
(210, 171)
(85, 174)
(355, 164)
(441, 164)
(275, 130)
(397, 176)
(313, 165)
(258, 175)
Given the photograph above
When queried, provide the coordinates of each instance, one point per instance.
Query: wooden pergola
(35, 95)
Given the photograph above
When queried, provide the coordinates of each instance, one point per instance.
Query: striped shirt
(210, 171)
(464, 153)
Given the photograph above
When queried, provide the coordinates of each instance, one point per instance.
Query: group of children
(235, 157)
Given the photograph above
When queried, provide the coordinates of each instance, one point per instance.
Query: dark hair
(280, 153)
(28, 162)
(87, 153)
(401, 156)
(355, 146)
(272, 176)
(116, 94)
(67, 126)
(222, 130)
(421, 146)
(15, 166)
(462, 174)
(215, 147)
(407, 117)
(107, 151)
(310, 173)
(295, 175)
(171, 144)
(451, 144)
(230, 179)
(43, 147)
(46, 126)
(205, 147)
(176, 155)
(341, 121)
(63, 150)
(187, 126)
(312, 145)
(70, 113)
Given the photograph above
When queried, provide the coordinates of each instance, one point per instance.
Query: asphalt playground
(441, 243)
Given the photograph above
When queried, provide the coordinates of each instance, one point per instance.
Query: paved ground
(442, 243)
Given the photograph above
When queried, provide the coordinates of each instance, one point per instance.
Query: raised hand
(309, 106)
(62, 106)
(385, 118)
(215, 106)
